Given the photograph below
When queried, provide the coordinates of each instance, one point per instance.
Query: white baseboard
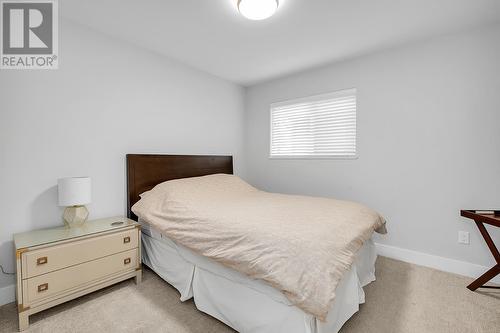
(7, 294)
(432, 261)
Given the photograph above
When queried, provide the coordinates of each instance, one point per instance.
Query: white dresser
(59, 264)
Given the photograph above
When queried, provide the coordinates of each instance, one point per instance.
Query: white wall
(107, 99)
(428, 139)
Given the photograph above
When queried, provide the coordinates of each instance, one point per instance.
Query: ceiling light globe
(257, 9)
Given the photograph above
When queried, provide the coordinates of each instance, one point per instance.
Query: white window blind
(317, 126)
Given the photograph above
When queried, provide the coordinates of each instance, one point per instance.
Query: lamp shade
(74, 191)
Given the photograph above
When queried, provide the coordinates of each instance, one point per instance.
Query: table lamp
(74, 194)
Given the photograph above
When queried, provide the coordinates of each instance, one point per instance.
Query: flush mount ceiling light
(257, 9)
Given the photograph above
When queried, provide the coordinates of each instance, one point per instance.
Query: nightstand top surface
(51, 235)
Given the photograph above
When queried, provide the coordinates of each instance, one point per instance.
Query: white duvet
(300, 245)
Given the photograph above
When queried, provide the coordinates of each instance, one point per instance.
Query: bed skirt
(248, 305)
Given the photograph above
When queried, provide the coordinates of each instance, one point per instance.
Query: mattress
(245, 304)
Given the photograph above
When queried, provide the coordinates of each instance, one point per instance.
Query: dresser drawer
(43, 286)
(56, 257)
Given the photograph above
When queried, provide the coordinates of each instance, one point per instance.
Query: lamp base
(75, 216)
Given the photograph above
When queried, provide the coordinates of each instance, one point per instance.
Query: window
(322, 126)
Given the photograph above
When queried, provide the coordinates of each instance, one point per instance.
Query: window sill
(305, 157)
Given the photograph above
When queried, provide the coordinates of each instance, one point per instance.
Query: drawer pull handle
(43, 287)
(41, 261)
(126, 261)
(126, 240)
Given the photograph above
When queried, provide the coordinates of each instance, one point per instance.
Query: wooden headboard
(146, 171)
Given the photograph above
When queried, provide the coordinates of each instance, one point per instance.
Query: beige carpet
(405, 298)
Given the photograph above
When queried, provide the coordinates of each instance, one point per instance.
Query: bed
(242, 301)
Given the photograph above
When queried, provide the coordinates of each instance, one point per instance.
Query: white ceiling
(211, 35)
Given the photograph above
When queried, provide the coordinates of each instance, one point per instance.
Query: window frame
(317, 97)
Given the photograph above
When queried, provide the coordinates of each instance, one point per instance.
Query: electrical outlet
(464, 237)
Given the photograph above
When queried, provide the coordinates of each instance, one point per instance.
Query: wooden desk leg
(495, 270)
(490, 274)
